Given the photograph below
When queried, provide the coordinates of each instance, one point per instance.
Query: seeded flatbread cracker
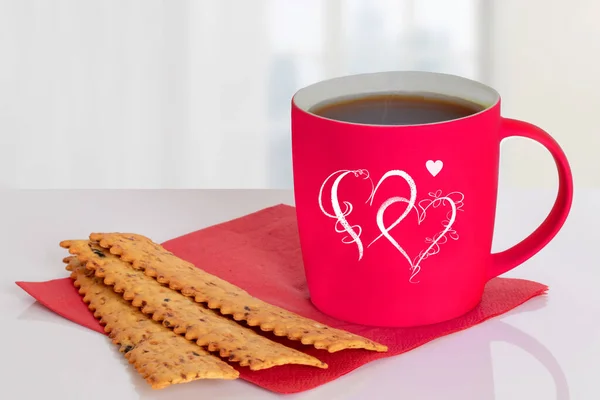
(157, 353)
(228, 299)
(184, 316)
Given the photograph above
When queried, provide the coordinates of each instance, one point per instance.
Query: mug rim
(357, 85)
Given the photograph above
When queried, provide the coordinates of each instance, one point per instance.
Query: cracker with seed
(186, 317)
(157, 353)
(228, 299)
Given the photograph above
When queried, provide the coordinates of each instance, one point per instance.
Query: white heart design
(433, 248)
(385, 231)
(355, 231)
(434, 167)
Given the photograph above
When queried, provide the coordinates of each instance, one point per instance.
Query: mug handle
(528, 247)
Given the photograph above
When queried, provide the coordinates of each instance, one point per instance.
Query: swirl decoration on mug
(455, 200)
(341, 224)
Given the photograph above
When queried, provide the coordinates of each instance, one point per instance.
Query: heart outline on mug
(355, 230)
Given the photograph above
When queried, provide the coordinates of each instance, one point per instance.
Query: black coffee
(397, 109)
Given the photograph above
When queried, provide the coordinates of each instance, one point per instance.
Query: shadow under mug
(396, 222)
(464, 368)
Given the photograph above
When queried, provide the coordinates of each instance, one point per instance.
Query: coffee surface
(397, 109)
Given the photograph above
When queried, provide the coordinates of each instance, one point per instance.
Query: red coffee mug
(396, 222)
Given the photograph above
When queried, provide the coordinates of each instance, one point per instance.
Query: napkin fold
(260, 252)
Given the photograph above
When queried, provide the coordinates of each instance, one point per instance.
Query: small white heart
(434, 167)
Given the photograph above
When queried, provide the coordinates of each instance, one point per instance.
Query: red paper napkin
(260, 252)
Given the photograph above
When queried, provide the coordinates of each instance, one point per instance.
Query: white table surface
(548, 348)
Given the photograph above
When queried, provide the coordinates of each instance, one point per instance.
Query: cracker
(186, 317)
(157, 353)
(228, 299)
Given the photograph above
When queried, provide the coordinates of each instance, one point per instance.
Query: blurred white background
(141, 94)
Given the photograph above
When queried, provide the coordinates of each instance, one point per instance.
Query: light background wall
(545, 61)
(139, 94)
